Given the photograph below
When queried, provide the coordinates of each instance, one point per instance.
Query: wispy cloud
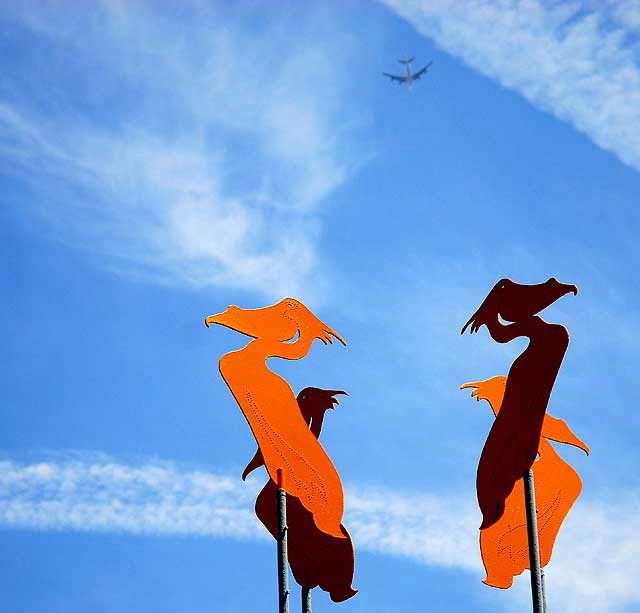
(172, 146)
(97, 494)
(580, 61)
(597, 547)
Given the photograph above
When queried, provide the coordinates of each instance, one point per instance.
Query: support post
(283, 570)
(306, 600)
(537, 590)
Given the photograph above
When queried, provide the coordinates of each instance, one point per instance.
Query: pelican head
(314, 400)
(515, 301)
(491, 390)
(279, 322)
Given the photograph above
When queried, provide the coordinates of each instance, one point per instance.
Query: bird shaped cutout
(512, 444)
(316, 558)
(286, 444)
(504, 544)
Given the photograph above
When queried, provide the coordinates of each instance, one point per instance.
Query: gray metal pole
(306, 600)
(283, 570)
(534, 549)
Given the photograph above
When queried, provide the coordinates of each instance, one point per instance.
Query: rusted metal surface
(512, 444)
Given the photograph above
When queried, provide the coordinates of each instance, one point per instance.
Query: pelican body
(269, 405)
(504, 544)
(316, 558)
(512, 444)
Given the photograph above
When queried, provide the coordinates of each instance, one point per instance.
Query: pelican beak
(563, 288)
(219, 318)
(531, 299)
(234, 318)
(567, 288)
(335, 401)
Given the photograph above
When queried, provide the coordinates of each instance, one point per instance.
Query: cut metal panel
(286, 330)
(317, 559)
(557, 486)
(512, 444)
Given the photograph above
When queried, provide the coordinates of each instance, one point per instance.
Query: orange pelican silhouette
(504, 545)
(316, 558)
(512, 444)
(269, 405)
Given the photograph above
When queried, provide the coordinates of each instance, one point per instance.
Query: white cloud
(429, 529)
(579, 61)
(594, 566)
(96, 494)
(187, 151)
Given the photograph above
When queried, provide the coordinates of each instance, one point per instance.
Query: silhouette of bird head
(515, 302)
(279, 322)
(491, 390)
(314, 402)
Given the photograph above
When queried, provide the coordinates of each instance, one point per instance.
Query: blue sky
(162, 161)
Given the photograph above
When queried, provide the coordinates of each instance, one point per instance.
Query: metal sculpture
(504, 545)
(512, 444)
(316, 558)
(269, 405)
(302, 477)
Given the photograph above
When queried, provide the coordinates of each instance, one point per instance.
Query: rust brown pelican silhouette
(512, 444)
(317, 559)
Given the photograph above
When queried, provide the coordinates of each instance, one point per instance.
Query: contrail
(95, 493)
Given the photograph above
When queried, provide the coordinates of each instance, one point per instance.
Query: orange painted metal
(316, 558)
(286, 330)
(512, 444)
(504, 544)
(313, 402)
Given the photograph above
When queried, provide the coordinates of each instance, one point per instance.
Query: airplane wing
(395, 78)
(420, 72)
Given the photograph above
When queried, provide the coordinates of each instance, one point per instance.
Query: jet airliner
(409, 78)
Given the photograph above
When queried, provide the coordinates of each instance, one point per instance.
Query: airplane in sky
(410, 78)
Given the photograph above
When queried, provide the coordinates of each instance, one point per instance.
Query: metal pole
(283, 571)
(534, 549)
(306, 600)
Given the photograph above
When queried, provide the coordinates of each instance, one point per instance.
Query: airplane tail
(405, 62)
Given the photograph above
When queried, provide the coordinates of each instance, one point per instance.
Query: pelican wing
(256, 462)
(557, 430)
